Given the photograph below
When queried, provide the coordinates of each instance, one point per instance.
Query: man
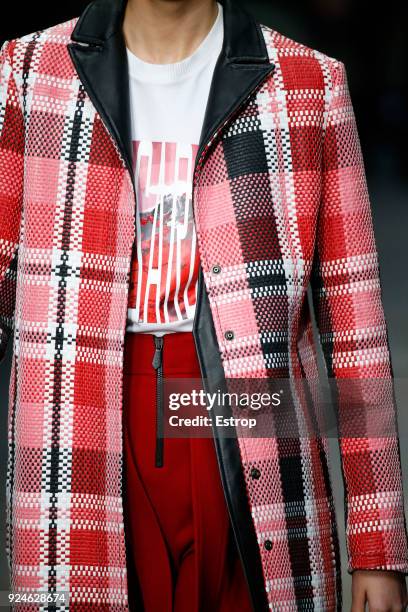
(278, 200)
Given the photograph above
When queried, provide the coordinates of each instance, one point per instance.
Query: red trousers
(180, 546)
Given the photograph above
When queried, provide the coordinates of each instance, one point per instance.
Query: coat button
(268, 545)
(255, 473)
(216, 269)
(229, 334)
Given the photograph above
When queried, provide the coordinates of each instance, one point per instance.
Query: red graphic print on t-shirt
(165, 265)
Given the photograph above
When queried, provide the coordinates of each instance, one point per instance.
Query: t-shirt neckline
(175, 71)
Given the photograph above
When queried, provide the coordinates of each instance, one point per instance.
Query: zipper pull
(157, 357)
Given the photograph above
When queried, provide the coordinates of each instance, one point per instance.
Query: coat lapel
(242, 65)
(98, 52)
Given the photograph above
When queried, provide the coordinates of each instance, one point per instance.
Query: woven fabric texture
(280, 201)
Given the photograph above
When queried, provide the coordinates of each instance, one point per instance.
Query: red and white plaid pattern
(285, 169)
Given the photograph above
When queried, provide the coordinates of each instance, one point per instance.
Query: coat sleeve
(346, 291)
(11, 188)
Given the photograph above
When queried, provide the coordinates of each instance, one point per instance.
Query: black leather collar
(98, 52)
(243, 40)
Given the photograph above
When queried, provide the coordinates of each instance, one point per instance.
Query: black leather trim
(228, 453)
(241, 66)
(5, 333)
(231, 84)
(103, 67)
(98, 52)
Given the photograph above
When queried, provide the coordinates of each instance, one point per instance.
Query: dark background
(372, 42)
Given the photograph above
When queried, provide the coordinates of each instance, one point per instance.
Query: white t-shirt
(168, 103)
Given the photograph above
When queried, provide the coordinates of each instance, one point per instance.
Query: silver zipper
(157, 364)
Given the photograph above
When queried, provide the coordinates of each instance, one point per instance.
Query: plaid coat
(280, 201)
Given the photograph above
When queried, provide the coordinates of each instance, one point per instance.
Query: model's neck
(167, 31)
